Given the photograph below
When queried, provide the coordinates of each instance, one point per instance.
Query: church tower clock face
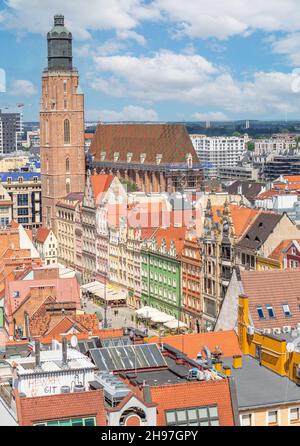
(62, 124)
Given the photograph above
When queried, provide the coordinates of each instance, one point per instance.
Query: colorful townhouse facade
(161, 271)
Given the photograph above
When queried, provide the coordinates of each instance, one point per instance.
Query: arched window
(68, 165)
(66, 131)
(68, 186)
(47, 131)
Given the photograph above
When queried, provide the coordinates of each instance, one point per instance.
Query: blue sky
(161, 59)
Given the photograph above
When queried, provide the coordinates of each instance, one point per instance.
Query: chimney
(37, 355)
(237, 362)
(218, 366)
(226, 370)
(64, 352)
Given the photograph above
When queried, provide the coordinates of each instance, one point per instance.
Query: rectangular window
(294, 414)
(194, 416)
(286, 310)
(273, 417)
(270, 311)
(23, 200)
(246, 420)
(260, 313)
(70, 422)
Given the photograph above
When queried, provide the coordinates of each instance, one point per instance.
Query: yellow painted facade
(264, 263)
(272, 353)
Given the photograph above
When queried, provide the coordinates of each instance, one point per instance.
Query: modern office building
(217, 152)
(11, 128)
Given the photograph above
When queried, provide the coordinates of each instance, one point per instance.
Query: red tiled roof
(191, 344)
(65, 405)
(278, 252)
(42, 234)
(172, 141)
(101, 183)
(171, 234)
(194, 394)
(275, 288)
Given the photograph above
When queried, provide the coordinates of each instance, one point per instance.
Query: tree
(250, 146)
(238, 134)
(130, 185)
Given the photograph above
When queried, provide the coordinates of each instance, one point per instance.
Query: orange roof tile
(191, 344)
(177, 235)
(101, 183)
(292, 178)
(272, 287)
(278, 253)
(194, 394)
(42, 234)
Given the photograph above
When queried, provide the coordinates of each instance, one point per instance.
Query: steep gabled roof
(259, 230)
(275, 288)
(42, 234)
(100, 183)
(172, 141)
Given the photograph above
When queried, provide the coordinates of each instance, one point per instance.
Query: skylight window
(270, 311)
(286, 310)
(260, 312)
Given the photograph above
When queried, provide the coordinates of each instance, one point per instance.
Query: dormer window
(189, 160)
(102, 156)
(158, 158)
(20, 179)
(143, 157)
(129, 157)
(116, 156)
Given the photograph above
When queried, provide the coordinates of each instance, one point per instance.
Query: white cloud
(22, 87)
(226, 18)
(289, 46)
(196, 18)
(210, 116)
(129, 113)
(192, 79)
(82, 17)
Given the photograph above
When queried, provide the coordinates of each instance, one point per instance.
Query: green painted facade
(161, 281)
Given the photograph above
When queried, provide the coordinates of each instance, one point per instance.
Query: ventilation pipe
(64, 352)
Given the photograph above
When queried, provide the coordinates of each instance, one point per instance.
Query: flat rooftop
(258, 386)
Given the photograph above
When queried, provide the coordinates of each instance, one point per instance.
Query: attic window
(158, 158)
(257, 239)
(270, 311)
(260, 313)
(260, 224)
(247, 237)
(286, 310)
(143, 157)
(129, 157)
(116, 156)
(102, 156)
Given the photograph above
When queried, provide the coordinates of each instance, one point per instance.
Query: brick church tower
(61, 123)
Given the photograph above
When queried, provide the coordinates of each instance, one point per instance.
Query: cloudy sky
(161, 59)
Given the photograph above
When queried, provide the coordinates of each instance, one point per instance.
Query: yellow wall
(259, 417)
(273, 351)
(263, 263)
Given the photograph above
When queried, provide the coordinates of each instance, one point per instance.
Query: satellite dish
(290, 347)
(74, 341)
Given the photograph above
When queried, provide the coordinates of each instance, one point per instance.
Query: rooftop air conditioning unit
(286, 329)
(267, 331)
(276, 330)
(250, 330)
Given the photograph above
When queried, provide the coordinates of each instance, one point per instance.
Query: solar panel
(128, 357)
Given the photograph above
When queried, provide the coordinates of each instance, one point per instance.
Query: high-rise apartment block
(216, 152)
(11, 128)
